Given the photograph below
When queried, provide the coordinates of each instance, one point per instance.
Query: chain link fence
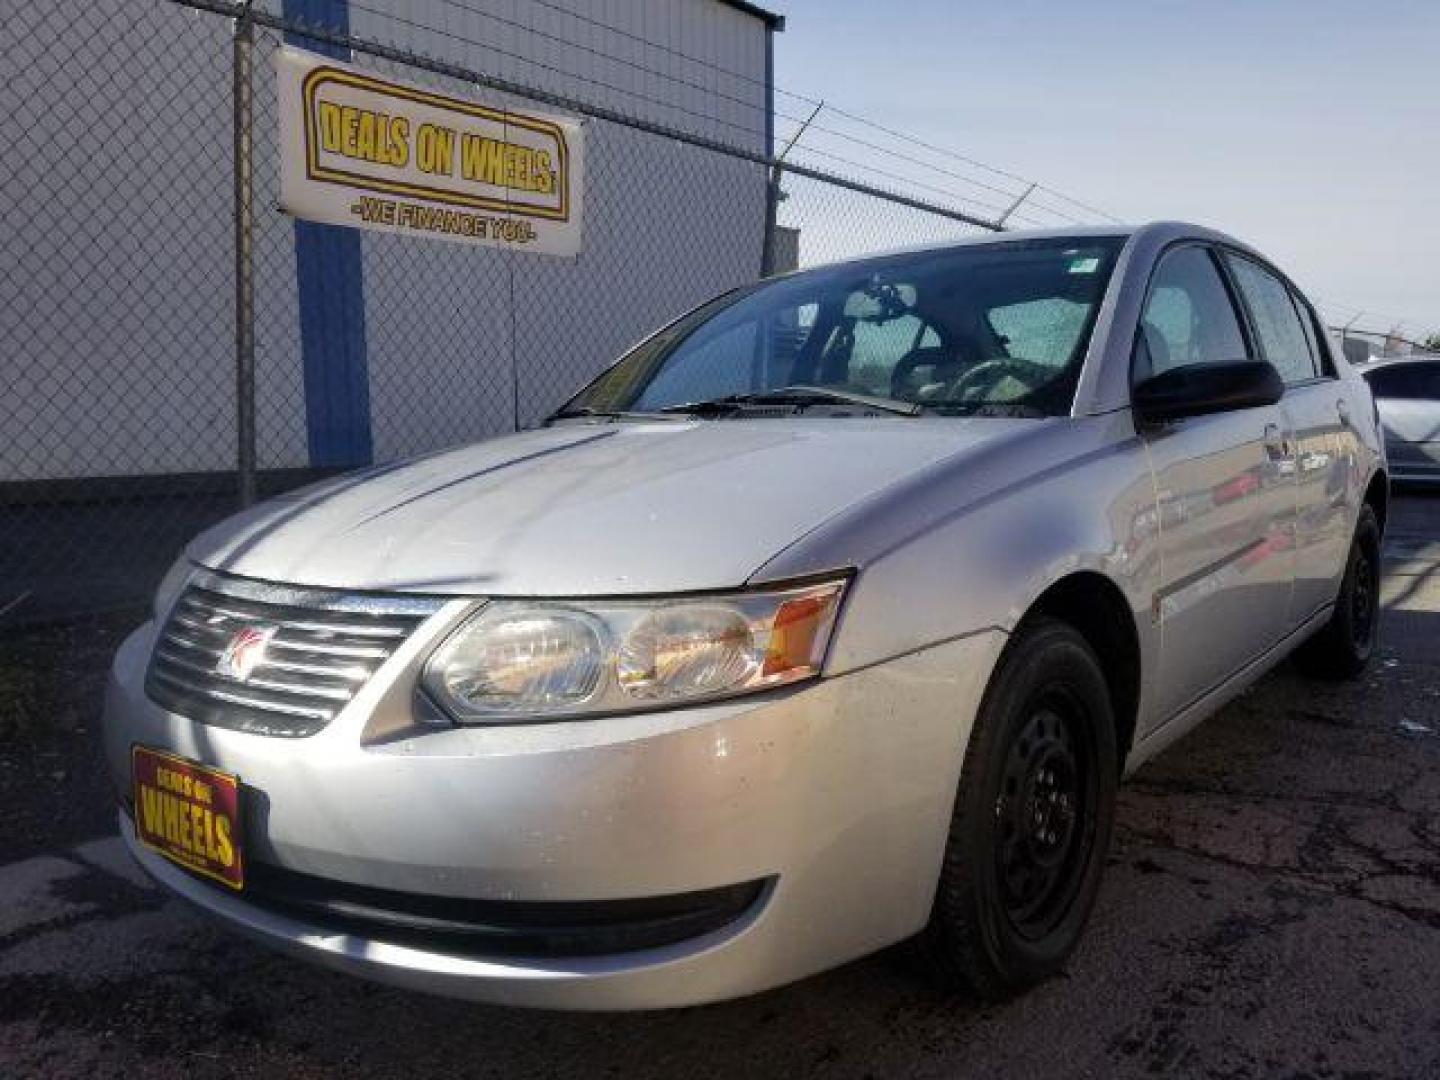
(130, 412)
(1361, 346)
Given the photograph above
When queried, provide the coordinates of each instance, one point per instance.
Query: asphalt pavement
(1271, 908)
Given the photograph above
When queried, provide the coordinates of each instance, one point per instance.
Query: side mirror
(1197, 389)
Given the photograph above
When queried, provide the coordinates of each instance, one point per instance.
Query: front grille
(311, 650)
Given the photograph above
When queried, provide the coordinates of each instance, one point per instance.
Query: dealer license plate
(190, 813)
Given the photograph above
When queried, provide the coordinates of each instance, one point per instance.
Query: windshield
(994, 329)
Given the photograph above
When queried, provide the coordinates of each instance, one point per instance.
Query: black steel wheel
(1046, 803)
(1032, 819)
(1342, 648)
(1364, 599)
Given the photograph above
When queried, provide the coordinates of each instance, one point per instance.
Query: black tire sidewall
(1332, 654)
(1042, 656)
(1367, 539)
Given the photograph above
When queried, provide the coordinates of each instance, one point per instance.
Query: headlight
(520, 660)
(514, 660)
(171, 586)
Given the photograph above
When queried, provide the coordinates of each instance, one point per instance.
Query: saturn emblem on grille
(245, 652)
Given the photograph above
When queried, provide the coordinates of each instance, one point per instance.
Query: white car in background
(1407, 393)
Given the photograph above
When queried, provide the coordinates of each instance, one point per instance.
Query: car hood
(585, 509)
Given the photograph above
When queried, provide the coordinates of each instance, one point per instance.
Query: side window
(1188, 317)
(1312, 335)
(1408, 381)
(1428, 378)
(1277, 323)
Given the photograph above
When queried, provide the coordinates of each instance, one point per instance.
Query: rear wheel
(1343, 646)
(1032, 818)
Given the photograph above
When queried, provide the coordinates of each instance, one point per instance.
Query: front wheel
(1032, 818)
(1343, 646)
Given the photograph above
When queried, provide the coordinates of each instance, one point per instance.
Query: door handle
(1276, 444)
(1343, 408)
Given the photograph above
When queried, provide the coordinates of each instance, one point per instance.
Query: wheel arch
(1377, 497)
(1097, 609)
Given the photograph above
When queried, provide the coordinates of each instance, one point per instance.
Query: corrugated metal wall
(116, 315)
(117, 298)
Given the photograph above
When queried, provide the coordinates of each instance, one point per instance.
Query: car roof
(1164, 232)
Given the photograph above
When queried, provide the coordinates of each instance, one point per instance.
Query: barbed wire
(907, 182)
(1010, 195)
(1383, 337)
(541, 65)
(1352, 313)
(810, 100)
(805, 129)
(761, 106)
(1026, 190)
(877, 171)
(1035, 196)
(957, 156)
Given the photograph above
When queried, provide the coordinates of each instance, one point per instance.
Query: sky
(1307, 128)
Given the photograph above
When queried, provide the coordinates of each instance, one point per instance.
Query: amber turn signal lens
(800, 629)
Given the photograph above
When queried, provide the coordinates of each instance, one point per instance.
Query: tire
(1020, 874)
(1343, 646)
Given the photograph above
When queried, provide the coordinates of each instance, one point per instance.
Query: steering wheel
(936, 356)
(989, 372)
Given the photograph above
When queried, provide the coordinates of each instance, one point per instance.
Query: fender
(971, 543)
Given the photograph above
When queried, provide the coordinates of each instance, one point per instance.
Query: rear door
(1318, 416)
(1225, 491)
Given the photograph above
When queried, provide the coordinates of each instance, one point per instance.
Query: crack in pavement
(1422, 916)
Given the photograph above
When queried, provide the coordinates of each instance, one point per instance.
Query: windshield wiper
(1008, 410)
(608, 414)
(799, 396)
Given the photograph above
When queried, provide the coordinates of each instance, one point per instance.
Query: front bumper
(837, 796)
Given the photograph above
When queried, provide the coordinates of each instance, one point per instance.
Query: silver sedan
(831, 615)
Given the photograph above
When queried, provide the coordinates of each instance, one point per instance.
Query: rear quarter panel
(1360, 441)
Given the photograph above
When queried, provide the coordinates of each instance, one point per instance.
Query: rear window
(1408, 381)
(1277, 322)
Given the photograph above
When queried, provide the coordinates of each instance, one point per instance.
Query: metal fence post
(772, 209)
(773, 194)
(1000, 221)
(244, 258)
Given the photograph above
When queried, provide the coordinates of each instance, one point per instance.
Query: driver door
(1225, 493)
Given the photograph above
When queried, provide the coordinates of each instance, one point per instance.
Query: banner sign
(356, 149)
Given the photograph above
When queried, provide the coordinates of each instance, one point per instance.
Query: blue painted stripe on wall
(332, 302)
